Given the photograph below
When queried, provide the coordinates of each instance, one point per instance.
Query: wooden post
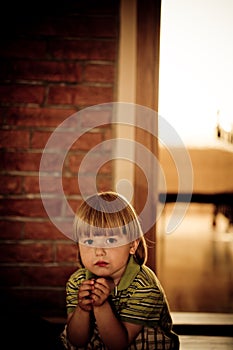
(147, 85)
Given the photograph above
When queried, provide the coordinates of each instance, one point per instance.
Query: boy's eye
(111, 240)
(88, 241)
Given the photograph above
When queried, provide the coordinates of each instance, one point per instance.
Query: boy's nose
(99, 251)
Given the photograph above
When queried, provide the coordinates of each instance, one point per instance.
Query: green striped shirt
(140, 297)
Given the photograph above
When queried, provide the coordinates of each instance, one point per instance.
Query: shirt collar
(130, 273)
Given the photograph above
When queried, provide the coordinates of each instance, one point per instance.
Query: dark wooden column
(147, 80)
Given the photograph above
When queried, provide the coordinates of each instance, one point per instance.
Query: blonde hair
(109, 213)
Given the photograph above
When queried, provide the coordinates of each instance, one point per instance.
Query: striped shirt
(139, 299)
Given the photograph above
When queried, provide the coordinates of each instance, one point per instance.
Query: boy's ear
(133, 246)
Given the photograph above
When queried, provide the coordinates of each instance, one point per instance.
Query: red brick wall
(53, 63)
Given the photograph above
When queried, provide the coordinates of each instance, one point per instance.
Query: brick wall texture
(53, 62)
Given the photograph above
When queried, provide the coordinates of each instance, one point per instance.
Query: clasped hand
(93, 293)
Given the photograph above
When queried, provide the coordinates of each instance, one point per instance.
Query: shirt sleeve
(147, 306)
(72, 287)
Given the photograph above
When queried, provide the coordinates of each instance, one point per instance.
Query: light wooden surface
(205, 343)
(202, 318)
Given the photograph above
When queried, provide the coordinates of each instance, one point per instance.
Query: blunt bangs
(106, 214)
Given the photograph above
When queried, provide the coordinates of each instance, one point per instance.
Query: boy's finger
(84, 294)
(104, 284)
(88, 282)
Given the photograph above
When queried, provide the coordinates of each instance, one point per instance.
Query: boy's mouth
(101, 263)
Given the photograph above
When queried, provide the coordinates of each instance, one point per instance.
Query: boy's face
(106, 256)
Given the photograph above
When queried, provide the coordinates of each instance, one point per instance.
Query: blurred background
(195, 96)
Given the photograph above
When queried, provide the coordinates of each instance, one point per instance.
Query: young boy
(114, 301)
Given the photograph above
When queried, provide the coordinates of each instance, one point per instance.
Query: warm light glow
(196, 67)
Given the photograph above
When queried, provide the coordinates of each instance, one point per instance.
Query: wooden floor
(205, 343)
(195, 267)
(194, 262)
